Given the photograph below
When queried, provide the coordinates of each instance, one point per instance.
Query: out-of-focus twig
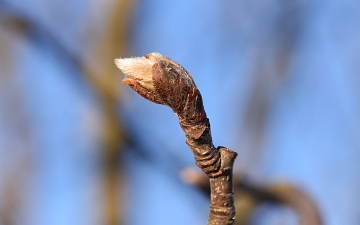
(109, 42)
(249, 195)
(95, 63)
(270, 68)
(17, 146)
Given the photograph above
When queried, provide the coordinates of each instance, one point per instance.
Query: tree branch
(164, 81)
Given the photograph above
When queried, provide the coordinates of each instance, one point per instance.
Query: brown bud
(164, 81)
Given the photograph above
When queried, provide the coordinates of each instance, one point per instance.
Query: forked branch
(164, 81)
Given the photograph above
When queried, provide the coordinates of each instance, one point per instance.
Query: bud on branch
(164, 81)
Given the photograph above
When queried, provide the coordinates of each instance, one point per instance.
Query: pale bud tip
(138, 68)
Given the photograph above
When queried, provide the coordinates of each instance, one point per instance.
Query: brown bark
(164, 81)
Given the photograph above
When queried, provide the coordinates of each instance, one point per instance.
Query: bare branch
(164, 81)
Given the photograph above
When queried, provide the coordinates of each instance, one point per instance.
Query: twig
(164, 81)
(251, 194)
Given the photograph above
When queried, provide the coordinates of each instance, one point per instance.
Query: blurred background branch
(103, 76)
(250, 195)
(96, 64)
(17, 143)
